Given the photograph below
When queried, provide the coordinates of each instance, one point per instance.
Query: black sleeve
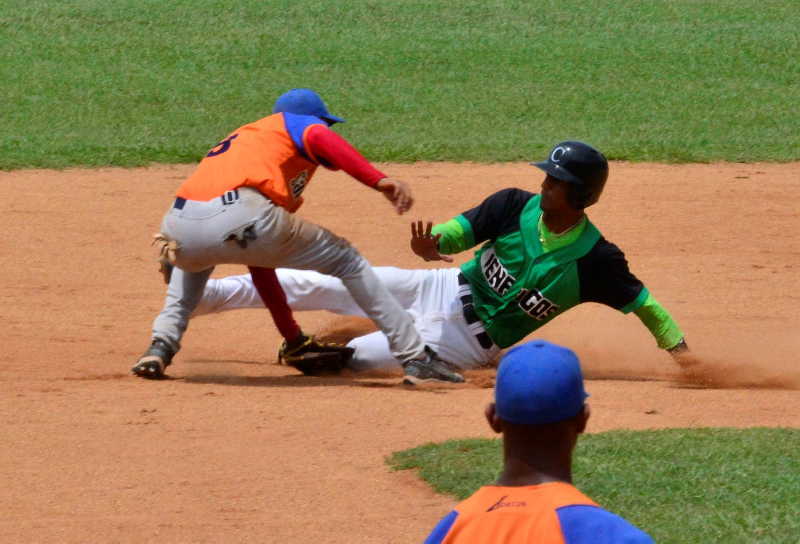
(605, 278)
(498, 214)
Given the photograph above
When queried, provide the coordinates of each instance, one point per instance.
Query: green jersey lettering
(496, 275)
(534, 303)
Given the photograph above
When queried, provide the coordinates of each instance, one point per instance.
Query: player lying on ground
(540, 256)
(238, 208)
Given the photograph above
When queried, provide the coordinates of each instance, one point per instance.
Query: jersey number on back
(221, 147)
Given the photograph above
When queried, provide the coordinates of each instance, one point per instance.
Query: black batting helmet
(583, 167)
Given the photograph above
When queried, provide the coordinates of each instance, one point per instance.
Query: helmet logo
(557, 153)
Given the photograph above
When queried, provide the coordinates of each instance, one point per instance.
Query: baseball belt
(228, 197)
(470, 316)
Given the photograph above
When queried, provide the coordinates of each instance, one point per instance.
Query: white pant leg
(430, 296)
(228, 293)
(310, 290)
(439, 318)
(307, 290)
(372, 353)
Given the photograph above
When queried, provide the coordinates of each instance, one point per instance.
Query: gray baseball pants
(245, 227)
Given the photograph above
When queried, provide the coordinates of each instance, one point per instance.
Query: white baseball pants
(431, 298)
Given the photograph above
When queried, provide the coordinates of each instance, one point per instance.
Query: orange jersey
(551, 513)
(269, 155)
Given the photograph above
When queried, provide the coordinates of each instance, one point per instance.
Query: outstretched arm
(660, 323)
(305, 353)
(269, 289)
(605, 278)
(497, 214)
(336, 153)
(664, 329)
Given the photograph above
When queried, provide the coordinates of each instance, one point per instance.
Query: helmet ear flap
(583, 195)
(577, 196)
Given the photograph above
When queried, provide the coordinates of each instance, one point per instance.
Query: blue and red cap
(304, 102)
(539, 382)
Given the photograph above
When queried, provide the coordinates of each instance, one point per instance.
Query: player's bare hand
(397, 192)
(425, 244)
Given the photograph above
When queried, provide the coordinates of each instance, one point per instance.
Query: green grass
(123, 82)
(705, 485)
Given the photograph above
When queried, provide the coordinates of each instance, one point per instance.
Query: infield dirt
(236, 449)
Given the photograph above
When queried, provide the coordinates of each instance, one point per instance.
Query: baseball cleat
(152, 363)
(430, 369)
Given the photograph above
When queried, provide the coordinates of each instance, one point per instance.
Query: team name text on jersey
(495, 273)
(534, 303)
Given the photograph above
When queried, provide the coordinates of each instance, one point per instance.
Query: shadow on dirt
(393, 382)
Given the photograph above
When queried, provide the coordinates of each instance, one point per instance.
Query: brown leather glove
(314, 358)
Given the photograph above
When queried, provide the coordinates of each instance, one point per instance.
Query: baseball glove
(167, 250)
(314, 358)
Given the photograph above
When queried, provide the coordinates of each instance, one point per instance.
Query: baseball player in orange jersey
(237, 207)
(540, 410)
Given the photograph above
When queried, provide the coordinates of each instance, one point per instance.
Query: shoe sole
(413, 380)
(142, 373)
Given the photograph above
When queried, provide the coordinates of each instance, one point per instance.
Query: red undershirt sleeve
(336, 153)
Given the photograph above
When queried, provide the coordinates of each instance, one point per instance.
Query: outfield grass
(702, 485)
(124, 82)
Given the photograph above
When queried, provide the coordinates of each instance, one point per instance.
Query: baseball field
(108, 108)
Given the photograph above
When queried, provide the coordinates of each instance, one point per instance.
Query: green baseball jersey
(517, 286)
